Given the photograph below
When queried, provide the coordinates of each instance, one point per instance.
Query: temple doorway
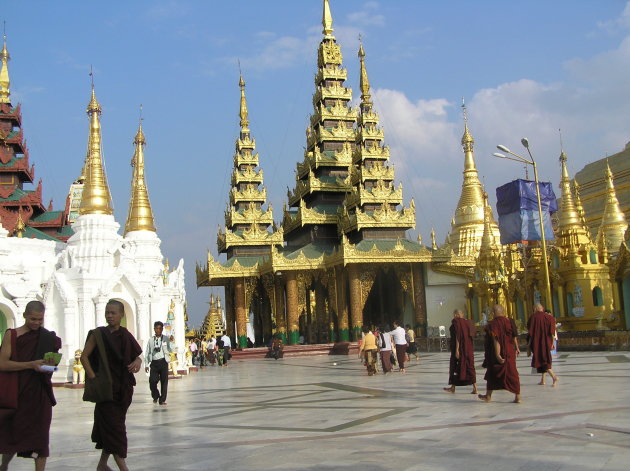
(386, 301)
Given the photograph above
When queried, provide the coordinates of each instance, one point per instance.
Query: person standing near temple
(384, 343)
(123, 354)
(368, 348)
(25, 430)
(541, 331)
(193, 351)
(461, 370)
(412, 349)
(400, 343)
(501, 350)
(227, 346)
(202, 352)
(156, 357)
(211, 347)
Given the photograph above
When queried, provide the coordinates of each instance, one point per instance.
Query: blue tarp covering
(517, 206)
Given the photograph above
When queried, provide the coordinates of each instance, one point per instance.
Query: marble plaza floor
(306, 414)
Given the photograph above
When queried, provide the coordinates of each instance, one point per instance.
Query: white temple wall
(444, 294)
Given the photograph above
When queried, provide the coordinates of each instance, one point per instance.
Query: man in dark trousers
(156, 358)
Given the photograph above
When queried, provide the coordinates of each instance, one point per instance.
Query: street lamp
(543, 240)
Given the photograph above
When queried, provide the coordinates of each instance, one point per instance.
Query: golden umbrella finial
(5, 82)
(327, 20)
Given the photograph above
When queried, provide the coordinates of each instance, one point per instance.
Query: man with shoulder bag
(156, 354)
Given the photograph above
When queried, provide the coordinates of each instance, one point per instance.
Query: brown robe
(25, 430)
(541, 327)
(505, 375)
(462, 372)
(109, 431)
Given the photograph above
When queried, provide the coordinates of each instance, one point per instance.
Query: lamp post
(543, 240)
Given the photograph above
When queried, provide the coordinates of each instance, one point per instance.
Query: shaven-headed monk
(123, 355)
(24, 431)
(541, 327)
(461, 370)
(501, 350)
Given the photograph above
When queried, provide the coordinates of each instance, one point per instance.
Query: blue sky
(524, 68)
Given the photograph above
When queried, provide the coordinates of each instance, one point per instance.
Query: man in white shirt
(227, 346)
(210, 350)
(400, 341)
(156, 358)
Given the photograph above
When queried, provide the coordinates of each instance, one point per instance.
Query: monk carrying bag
(99, 388)
(9, 379)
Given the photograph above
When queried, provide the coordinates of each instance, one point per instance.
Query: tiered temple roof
(247, 222)
(213, 324)
(22, 211)
(323, 179)
(371, 211)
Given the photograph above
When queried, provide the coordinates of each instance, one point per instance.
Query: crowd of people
(112, 356)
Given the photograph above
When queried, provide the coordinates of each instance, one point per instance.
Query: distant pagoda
(213, 325)
(22, 211)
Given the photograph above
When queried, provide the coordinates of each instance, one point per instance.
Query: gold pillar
(292, 308)
(239, 304)
(419, 300)
(356, 314)
(281, 319)
(321, 316)
(229, 310)
(342, 305)
(562, 302)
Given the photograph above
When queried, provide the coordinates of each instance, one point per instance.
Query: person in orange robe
(123, 355)
(541, 330)
(25, 431)
(461, 370)
(501, 350)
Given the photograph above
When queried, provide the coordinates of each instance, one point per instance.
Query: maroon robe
(462, 372)
(541, 327)
(26, 430)
(109, 431)
(501, 375)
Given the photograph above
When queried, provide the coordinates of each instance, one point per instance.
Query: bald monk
(541, 330)
(461, 370)
(501, 350)
(123, 354)
(25, 430)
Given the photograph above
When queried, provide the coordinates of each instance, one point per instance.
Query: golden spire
(4, 73)
(364, 82)
(96, 198)
(467, 225)
(243, 111)
(614, 224)
(327, 20)
(569, 215)
(140, 217)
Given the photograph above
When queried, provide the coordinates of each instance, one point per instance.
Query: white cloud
(368, 16)
(621, 23)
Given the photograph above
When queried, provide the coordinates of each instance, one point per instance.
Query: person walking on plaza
(461, 370)
(24, 430)
(193, 350)
(156, 359)
(211, 350)
(401, 345)
(368, 349)
(412, 349)
(501, 350)
(541, 331)
(123, 355)
(202, 352)
(227, 346)
(384, 343)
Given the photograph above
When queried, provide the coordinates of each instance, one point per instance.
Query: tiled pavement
(307, 414)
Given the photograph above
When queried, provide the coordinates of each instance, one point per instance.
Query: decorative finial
(140, 215)
(243, 113)
(364, 82)
(467, 139)
(20, 226)
(327, 20)
(5, 82)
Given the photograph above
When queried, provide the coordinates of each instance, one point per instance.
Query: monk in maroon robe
(123, 355)
(501, 350)
(541, 330)
(461, 370)
(25, 430)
